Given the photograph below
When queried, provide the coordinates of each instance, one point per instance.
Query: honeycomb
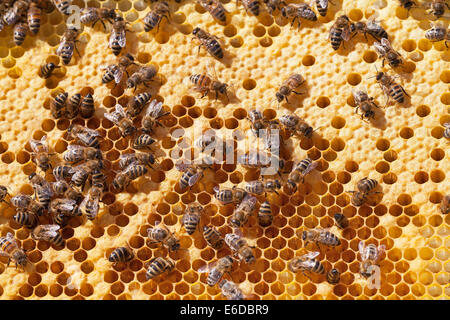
(403, 148)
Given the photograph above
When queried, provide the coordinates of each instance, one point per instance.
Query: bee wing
(311, 167)
(251, 200)
(111, 117)
(154, 109)
(49, 230)
(193, 180)
(323, 3)
(207, 267)
(381, 249)
(122, 38)
(35, 145)
(311, 255)
(385, 42)
(379, 48)
(361, 247)
(118, 75)
(182, 166)
(346, 34)
(91, 132)
(45, 189)
(74, 148)
(119, 110)
(68, 205)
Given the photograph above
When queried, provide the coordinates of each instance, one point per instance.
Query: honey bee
(205, 83)
(299, 172)
(49, 233)
(273, 5)
(68, 43)
(43, 192)
(137, 103)
(296, 125)
(98, 179)
(192, 172)
(117, 39)
(90, 204)
(10, 248)
(144, 75)
(217, 270)
(151, 118)
(333, 276)
(265, 216)
(208, 141)
(154, 17)
(46, 70)
(371, 27)
(447, 130)
(16, 12)
(24, 202)
(258, 122)
(27, 219)
(215, 8)
(340, 31)
(438, 33)
(62, 188)
(121, 254)
(231, 290)
(209, 42)
(191, 217)
(60, 219)
(227, 195)
(445, 204)
(437, 7)
(243, 211)
(63, 6)
(40, 154)
(369, 257)
(320, 236)
(251, 5)
(88, 137)
(81, 172)
(322, 7)
(130, 173)
(143, 141)
(121, 120)
(95, 15)
(159, 265)
(341, 220)
(62, 172)
(67, 207)
(161, 234)
(213, 237)
(386, 52)
(365, 187)
(146, 159)
(34, 17)
(297, 11)
(306, 263)
(3, 193)
(259, 187)
(391, 88)
(254, 159)
(87, 108)
(20, 32)
(57, 105)
(76, 153)
(364, 102)
(115, 71)
(73, 106)
(240, 247)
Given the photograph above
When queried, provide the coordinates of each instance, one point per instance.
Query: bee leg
(205, 94)
(76, 49)
(199, 49)
(303, 271)
(405, 92)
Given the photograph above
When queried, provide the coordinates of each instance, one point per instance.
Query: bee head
(196, 30)
(235, 223)
(250, 259)
(379, 75)
(31, 176)
(279, 96)
(111, 13)
(277, 182)
(118, 18)
(284, 12)
(304, 235)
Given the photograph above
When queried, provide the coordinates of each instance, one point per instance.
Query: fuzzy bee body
(73, 106)
(117, 39)
(438, 33)
(265, 216)
(259, 187)
(94, 15)
(191, 217)
(87, 108)
(240, 247)
(16, 12)
(121, 120)
(26, 203)
(66, 207)
(137, 103)
(251, 5)
(63, 6)
(306, 263)
(161, 234)
(142, 76)
(49, 233)
(121, 254)
(341, 220)
(154, 17)
(143, 141)
(391, 88)
(62, 172)
(213, 237)
(322, 7)
(46, 70)
(90, 204)
(191, 173)
(147, 159)
(227, 195)
(88, 137)
(27, 219)
(81, 172)
(151, 118)
(216, 272)
(67, 45)
(215, 8)
(297, 11)
(437, 8)
(257, 121)
(76, 153)
(289, 86)
(34, 18)
(204, 83)
(340, 31)
(40, 154)
(3, 193)
(296, 125)
(57, 106)
(243, 211)
(386, 52)
(300, 171)
(364, 103)
(320, 236)
(130, 173)
(158, 266)
(370, 255)
(333, 276)
(10, 248)
(209, 42)
(445, 204)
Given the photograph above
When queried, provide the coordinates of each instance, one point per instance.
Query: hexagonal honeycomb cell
(403, 148)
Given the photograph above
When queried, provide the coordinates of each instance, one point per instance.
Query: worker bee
(67, 207)
(365, 187)
(407, 4)
(10, 248)
(438, 33)
(297, 11)
(341, 220)
(364, 102)
(213, 237)
(447, 130)
(299, 172)
(24, 202)
(88, 137)
(254, 159)
(87, 108)
(144, 75)
(46, 70)
(265, 216)
(115, 71)
(67, 44)
(94, 15)
(117, 39)
(296, 125)
(273, 5)
(215, 8)
(57, 105)
(320, 236)
(437, 7)
(81, 172)
(191, 217)
(369, 257)
(151, 118)
(192, 172)
(34, 18)
(159, 265)
(154, 17)
(231, 290)
(121, 254)
(391, 88)
(251, 5)
(243, 211)
(340, 31)
(322, 7)
(49, 233)
(227, 195)
(258, 122)
(205, 83)
(90, 204)
(76, 153)
(386, 52)
(63, 6)
(62, 188)
(240, 247)
(137, 103)
(333, 276)
(120, 119)
(3, 193)
(161, 234)
(60, 219)
(73, 106)
(15, 12)
(209, 42)
(308, 263)
(20, 32)
(130, 173)
(371, 27)
(143, 141)
(445, 204)
(40, 154)
(217, 269)
(208, 141)
(146, 159)
(62, 172)
(27, 219)
(43, 192)
(294, 81)
(258, 187)
(98, 178)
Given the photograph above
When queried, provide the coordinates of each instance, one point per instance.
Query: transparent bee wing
(251, 200)
(361, 247)
(104, 66)
(385, 42)
(379, 48)
(10, 237)
(182, 166)
(207, 267)
(154, 109)
(46, 189)
(68, 205)
(311, 167)
(323, 3)
(91, 132)
(121, 38)
(111, 117)
(121, 111)
(74, 148)
(311, 255)
(381, 249)
(118, 75)
(346, 34)
(193, 180)
(356, 94)
(61, 46)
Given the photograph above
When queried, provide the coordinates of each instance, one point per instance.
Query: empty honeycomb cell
(34, 256)
(351, 166)
(435, 220)
(42, 267)
(423, 111)
(249, 84)
(404, 199)
(445, 98)
(434, 290)
(406, 133)
(421, 177)
(8, 157)
(437, 176)
(382, 167)
(26, 290)
(390, 178)
(34, 279)
(338, 122)
(323, 102)
(237, 42)
(259, 31)
(426, 253)
(390, 155)
(41, 290)
(395, 232)
(117, 288)
(88, 243)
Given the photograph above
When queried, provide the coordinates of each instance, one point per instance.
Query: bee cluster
(74, 187)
